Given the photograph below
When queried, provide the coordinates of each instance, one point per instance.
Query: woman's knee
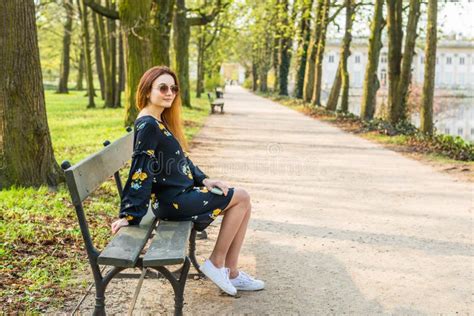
(242, 196)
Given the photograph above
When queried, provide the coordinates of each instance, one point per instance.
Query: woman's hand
(216, 183)
(118, 224)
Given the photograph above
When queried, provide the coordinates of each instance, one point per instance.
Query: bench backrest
(84, 177)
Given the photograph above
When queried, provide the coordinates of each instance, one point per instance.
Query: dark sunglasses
(163, 87)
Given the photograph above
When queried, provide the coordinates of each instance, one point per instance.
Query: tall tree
(318, 68)
(371, 82)
(304, 37)
(426, 114)
(65, 55)
(342, 75)
(26, 152)
(83, 12)
(99, 58)
(135, 26)
(286, 44)
(181, 35)
(80, 71)
(400, 108)
(162, 15)
(312, 49)
(399, 74)
(350, 11)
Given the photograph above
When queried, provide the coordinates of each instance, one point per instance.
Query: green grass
(42, 249)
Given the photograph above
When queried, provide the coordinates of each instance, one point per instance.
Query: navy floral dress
(162, 175)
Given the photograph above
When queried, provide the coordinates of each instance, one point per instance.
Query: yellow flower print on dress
(215, 213)
(154, 203)
(150, 152)
(176, 205)
(203, 190)
(137, 178)
(187, 171)
(163, 129)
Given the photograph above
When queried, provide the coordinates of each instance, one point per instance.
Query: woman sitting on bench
(162, 174)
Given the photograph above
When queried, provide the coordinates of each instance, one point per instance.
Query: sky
(457, 17)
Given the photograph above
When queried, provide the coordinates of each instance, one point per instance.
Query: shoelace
(246, 276)
(227, 274)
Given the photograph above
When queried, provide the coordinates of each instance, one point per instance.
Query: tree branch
(104, 11)
(332, 17)
(204, 19)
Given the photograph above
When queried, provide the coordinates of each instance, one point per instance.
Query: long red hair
(172, 115)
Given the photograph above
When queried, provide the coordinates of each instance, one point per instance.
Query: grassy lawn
(42, 249)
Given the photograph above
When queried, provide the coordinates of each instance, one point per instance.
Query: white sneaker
(245, 282)
(220, 276)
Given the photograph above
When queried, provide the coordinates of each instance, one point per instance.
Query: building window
(331, 59)
(437, 60)
(472, 131)
(357, 59)
(461, 60)
(384, 59)
(446, 130)
(449, 60)
(422, 60)
(460, 131)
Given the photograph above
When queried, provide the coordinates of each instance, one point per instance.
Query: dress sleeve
(137, 191)
(198, 175)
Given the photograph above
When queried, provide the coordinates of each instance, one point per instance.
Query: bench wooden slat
(85, 176)
(169, 244)
(124, 249)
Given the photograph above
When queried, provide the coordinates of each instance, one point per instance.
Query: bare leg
(234, 215)
(234, 250)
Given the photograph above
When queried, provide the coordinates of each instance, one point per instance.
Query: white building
(454, 67)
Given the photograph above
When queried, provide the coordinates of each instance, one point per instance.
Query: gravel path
(339, 224)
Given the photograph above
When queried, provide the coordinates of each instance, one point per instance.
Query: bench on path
(215, 102)
(219, 93)
(168, 239)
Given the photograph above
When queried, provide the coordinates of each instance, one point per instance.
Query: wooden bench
(169, 239)
(215, 102)
(219, 93)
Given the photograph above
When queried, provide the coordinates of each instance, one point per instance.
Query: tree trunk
(346, 52)
(99, 60)
(26, 152)
(112, 31)
(134, 18)
(395, 38)
(408, 53)
(121, 70)
(276, 62)
(106, 53)
(286, 47)
(80, 71)
(318, 71)
(181, 36)
(87, 52)
(254, 76)
(426, 113)
(162, 21)
(305, 36)
(369, 93)
(335, 89)
(201, 38)
(65, 56)
(312, 49)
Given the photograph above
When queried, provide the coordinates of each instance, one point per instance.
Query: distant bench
(218, 102)
(169, 239)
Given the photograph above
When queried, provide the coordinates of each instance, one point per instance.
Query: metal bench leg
(178, 285)
(100, 286)
(192, 251)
